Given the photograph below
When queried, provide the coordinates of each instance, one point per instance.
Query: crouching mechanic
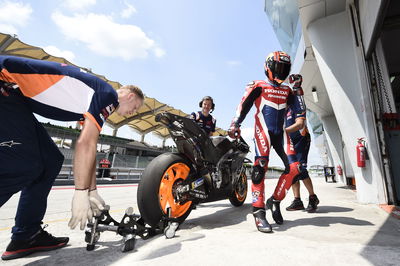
(298, 132)
(271, 99)
(203, 118)
(29, 159)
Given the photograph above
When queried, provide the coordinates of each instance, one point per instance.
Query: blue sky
(177, 51)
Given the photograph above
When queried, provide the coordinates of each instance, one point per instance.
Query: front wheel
(156, 189)
(239, 193)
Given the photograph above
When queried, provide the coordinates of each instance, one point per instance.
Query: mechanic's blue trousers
(29, 162)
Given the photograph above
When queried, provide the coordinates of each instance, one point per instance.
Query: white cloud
(233, 63)
(8, 29)
(105, 37)
(277, 7)
(13, 15)
(159, 52)
(128, 11)
(70, 56)
(79, 4)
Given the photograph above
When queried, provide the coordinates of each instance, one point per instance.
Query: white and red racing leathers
(271, 102)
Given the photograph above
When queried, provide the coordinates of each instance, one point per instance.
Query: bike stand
(131, 225)
(172, 225)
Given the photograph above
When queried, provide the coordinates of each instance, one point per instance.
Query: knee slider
(257, 176)
(298, 172)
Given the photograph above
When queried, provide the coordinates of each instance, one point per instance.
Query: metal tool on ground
(172, 226)
(131, 225)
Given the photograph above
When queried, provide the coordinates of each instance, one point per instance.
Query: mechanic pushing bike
(271, 99)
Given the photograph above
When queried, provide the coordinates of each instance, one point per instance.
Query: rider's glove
(81, 211)
(96, 202)
(296, 80)
(234, 131)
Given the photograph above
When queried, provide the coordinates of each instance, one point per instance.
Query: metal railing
(67, 173)
(126, 173)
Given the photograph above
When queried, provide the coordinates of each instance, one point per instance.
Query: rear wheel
(239, 193)
(157, 186)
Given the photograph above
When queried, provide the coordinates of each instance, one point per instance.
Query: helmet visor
(280, 70)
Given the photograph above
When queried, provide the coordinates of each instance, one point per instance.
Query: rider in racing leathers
(271, 99)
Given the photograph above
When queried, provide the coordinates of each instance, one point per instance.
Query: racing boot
(41, 241)
(296, 205)
(274, 206)
(313, 202)
(261, 222)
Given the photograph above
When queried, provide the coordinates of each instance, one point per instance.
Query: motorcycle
(204, 169)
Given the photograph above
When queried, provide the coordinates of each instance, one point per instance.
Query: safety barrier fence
(115, 173)
(134, 174)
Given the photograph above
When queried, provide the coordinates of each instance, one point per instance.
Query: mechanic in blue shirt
(298, 132)
(30, 161)
(203, 118)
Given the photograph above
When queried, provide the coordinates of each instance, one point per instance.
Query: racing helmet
(277, 67)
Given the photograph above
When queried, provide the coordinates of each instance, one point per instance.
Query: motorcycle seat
(222, 144)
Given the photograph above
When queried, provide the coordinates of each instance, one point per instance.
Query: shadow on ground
(226, 217)
(325, 221)
(109, 252)
(384, 247)
(329, 209)
(105, 253)
(175, 246)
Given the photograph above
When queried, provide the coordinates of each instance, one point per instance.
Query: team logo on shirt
(289, 114)
(106, 112)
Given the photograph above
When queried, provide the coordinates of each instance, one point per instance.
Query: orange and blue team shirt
(207, 123)
(290, 119)
(59, 91)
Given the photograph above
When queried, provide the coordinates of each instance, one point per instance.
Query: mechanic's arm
(297, 94)
(93, 179)
(96, 202)
(299, 124)
(85, 155)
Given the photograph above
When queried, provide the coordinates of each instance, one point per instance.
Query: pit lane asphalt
(342, 232)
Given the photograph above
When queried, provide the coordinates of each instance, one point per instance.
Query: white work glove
(81, 210)
(96, 202)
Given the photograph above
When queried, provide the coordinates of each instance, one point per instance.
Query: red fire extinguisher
(339, 170)
(361, 152)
